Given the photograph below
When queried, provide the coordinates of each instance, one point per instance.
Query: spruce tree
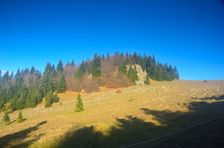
(79, 105)
(60, 66)
(20, 118)
(81, 71)
(50, 99)
(132, 74)
(6, 118)
(123, 69)
(96, 66)
(62, 85)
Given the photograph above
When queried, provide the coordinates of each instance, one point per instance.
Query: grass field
(119, 117)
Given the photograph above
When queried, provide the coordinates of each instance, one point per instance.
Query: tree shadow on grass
(211, 98)
(16, 121)
(131, 130)
(19, 137)
(128, 130)
(201, 127)
(198, 111)
(85, 137)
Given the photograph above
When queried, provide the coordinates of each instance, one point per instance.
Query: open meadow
(116, 117)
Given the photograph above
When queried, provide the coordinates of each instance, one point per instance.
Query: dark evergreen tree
(132, 74)
(62, 85)
(33, 99)
(60, 66)
(49, 79)
(96, 66)
(50, 99)
(6, 80)
(81, 71)
(123, 69)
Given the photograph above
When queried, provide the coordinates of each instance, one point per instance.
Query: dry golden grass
(104, 107)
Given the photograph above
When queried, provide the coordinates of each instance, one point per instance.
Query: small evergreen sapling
(20, 118)
(79, 105)
(6, 118)
(147, 81)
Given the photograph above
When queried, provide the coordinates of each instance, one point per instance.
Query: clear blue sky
(186, 33)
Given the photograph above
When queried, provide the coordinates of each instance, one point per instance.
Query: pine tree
(6, 118)
(81, 71)
(50, 99)
(96, 66)
(20, 118)
(48, 70)
(62, 85)
(60, 66)
(123, 69)
(79, 104)
(132, 74)
(49, 79)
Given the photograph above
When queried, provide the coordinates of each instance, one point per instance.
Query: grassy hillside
(116, 117)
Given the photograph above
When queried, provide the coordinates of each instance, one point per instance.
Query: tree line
(29, 87)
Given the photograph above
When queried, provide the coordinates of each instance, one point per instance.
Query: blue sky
(186, 33)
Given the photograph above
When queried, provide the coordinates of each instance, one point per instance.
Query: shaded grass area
(131, 129)
(16, 140)
(209, 135)
(128, 130)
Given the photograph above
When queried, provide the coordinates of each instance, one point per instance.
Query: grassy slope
(118, 118)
